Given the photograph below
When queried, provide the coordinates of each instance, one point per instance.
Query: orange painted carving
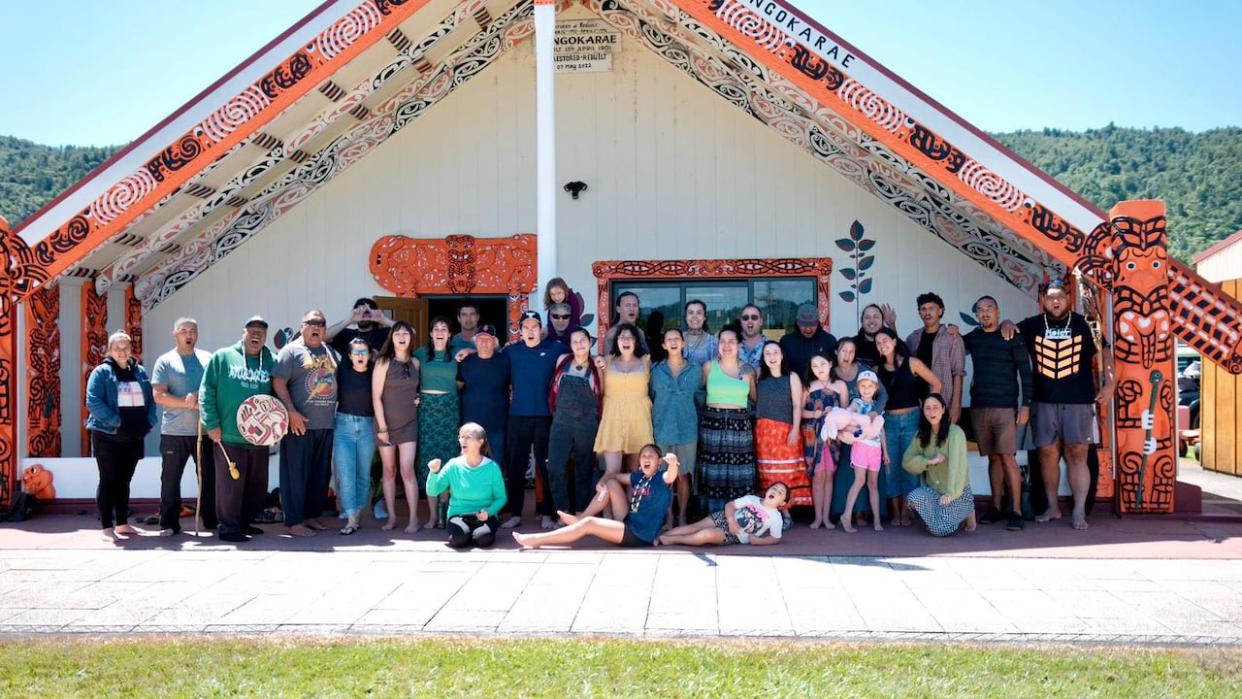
(458, 264)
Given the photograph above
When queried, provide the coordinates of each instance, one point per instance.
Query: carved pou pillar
(8, 368)
(1143, 345)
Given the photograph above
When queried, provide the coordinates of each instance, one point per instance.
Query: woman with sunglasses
(353, 444)
(394, 396)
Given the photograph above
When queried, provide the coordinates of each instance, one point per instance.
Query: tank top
(902, 386)
(723, 389)
(773, 401)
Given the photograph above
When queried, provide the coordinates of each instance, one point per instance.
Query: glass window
(777, 297)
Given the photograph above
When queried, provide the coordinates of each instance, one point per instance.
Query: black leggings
(467, 530)
(117, 459)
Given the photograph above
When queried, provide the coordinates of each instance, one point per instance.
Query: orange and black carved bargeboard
(609, 271)
(458, 264)
(43, 411)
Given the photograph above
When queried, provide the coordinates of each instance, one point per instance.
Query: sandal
(349, 529)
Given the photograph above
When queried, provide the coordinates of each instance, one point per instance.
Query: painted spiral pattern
(121, 196)
(991, 185)
(242, 108)
(345, 31)
(885, 115)
(753, 26)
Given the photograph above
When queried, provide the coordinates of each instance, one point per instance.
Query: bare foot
(430, 524)
(412, 527)
(1050, 514)
(299, 530)
(523, 540)
(314, 524)
(847, 525)
(388, 526)
(971, 522)
(905, 518)
(878, 527)
(817, 523)
(1079, 522)
(829, 525)
(567, 518)
(125, 530)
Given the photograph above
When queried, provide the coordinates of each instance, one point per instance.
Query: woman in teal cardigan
(476, 489)
(939, 453)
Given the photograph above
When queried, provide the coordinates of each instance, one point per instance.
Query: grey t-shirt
(311, 375)
(182, 376)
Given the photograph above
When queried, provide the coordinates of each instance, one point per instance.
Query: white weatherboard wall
(674, 172)
(1223, 265)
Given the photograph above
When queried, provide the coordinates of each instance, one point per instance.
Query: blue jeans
(352, 451)
(899, 433)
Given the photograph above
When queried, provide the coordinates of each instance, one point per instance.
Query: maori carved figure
(94, 343)
(133, 320)
(13, 277)
(458, 264)
(43, 415)
(1134, 258)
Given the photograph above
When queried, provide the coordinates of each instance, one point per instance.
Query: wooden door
(411, 310)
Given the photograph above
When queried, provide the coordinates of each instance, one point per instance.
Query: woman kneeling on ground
(745, 520)
(643, 510)
(476, 489)
(939, 452)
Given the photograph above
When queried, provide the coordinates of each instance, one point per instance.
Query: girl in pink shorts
(866, 434)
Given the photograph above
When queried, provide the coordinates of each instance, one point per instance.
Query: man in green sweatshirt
(232, 375)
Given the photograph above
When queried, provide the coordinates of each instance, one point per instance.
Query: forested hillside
(1198, 175)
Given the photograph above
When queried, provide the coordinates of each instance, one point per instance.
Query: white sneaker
(168, 532)
(512, 523)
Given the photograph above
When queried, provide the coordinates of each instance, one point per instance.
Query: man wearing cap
(532, 360)
(807, 340)
(305, 381)
(233, 374)
(175, 379)
(1062, 348)
(483, 377)
(368, 322)
(940, 350)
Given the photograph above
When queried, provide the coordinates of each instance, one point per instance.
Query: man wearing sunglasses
(305, 381)
(559, 315)
(750, 349)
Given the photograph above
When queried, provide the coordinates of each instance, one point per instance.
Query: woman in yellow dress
(625, 427)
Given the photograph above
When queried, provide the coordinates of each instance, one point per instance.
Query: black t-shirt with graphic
(1061, 352)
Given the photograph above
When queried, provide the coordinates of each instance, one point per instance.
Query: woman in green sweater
(476, 489)
(939, 453)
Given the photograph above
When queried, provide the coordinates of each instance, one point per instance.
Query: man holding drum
(235, 377)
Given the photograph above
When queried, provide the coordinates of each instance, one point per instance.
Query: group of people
(732, 425)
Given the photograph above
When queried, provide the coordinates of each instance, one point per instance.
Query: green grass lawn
(199, 667)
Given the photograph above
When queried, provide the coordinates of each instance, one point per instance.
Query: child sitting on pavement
(746, 520)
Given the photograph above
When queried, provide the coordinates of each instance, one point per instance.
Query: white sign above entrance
(585, 46)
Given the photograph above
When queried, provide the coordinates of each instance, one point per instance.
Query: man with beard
(368, 322)
(1062, 348)
(468, 321)
(940, 350)
(234, 374)
(305, 381)
(808, 340)
(1002, 368)
(750, 347)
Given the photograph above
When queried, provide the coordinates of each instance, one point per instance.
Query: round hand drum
(262, 420)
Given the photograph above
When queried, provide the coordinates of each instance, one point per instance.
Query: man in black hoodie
(808, 340)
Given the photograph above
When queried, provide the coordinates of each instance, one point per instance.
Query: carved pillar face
(1144, 355)
(94, 343)
(43, 416)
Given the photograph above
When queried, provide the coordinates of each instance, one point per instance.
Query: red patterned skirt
(777, 461)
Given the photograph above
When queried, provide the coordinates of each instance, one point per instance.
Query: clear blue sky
(101, 72)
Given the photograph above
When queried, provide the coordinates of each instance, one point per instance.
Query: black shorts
(629, 538)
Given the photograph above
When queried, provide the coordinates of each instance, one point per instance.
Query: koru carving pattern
(458, 264)
(94, 345)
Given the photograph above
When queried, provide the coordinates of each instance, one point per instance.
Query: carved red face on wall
(1144, 324)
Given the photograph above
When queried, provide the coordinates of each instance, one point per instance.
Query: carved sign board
(585, 46)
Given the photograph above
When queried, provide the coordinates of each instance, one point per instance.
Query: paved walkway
(64, 580)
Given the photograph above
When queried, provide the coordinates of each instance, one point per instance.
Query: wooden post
(43, 415)
(1145, 366)
(8, 372)
(94, 343)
